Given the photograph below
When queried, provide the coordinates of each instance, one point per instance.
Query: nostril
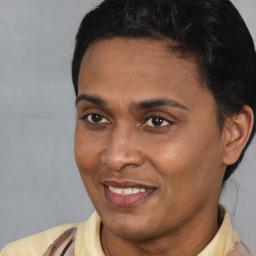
(128, 166)
(122, 160)
(122, 150)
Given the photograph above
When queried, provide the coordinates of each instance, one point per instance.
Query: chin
(129, 232)
(130, 227)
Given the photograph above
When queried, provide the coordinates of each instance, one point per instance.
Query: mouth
(126, 193)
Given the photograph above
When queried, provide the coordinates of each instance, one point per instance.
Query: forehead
(135, 55)
(139, 68)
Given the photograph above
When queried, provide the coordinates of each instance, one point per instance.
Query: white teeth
(126, 191)
(135, 190)
(119, 191)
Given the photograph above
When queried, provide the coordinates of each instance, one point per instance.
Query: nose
(123, 150)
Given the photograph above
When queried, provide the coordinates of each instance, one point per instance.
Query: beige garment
(64, 245)
(83, 239)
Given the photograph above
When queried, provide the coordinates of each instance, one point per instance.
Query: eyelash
(85, 118)
(163, 119)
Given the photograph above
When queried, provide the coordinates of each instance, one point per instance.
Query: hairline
(179, 52)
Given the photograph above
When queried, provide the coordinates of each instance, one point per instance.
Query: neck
(190, 240)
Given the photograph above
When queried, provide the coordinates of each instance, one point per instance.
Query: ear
(238, 129)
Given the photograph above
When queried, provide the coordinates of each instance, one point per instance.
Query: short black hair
(212, 31)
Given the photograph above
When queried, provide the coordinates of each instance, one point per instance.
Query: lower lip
(126, 200)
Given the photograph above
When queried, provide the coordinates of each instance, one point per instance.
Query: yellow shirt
(87, 240)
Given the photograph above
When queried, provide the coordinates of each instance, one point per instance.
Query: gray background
(39, 184)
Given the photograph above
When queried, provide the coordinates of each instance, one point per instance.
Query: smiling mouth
(127, 193)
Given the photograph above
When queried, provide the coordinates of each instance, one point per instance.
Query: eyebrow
(146, 104)
(91, 98)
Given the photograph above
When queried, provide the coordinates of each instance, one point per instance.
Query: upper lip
(126, 184)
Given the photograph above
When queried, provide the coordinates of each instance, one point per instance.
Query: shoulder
(239, 249)
(37, 244)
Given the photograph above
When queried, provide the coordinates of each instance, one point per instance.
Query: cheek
(190, 178)
(189, 163)
(86, 150)
(87, 159)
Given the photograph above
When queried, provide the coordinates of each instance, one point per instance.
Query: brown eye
(157, 121)
(96, 118)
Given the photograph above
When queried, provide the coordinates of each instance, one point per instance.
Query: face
(147, 143)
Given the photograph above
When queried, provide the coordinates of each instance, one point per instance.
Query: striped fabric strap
(64, 245)
(239, 249)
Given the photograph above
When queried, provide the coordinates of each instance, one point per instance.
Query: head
(204, 49)
(213, 32)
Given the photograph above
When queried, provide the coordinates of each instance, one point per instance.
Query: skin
(183, 156)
